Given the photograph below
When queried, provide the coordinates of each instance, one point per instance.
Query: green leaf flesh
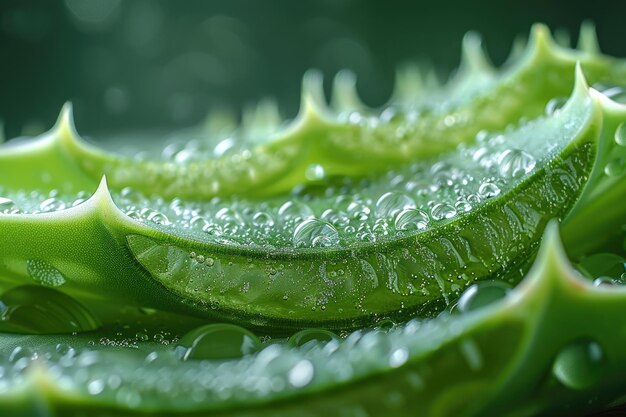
(503, 358)
(136, 273)
(275, 283)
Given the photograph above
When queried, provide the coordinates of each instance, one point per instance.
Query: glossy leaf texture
(546, 348)
(479, 219)
(354, 261)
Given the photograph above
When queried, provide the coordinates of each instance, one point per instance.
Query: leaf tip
(581, 86)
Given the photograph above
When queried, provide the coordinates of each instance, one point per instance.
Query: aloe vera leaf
(515, 357)
(480, 98)
(293, 287)
(601, 207)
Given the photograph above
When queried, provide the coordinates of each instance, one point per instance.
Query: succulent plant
(398, 261)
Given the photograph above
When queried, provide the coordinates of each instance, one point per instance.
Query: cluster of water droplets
(36, 201)
(343, 212)
(349, 211)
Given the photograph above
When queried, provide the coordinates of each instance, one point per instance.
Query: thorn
(312, 100)
(219, 122)
(261, 119)
(588, 38)
(103, 194)
(345, 97)
(409, 84)
(517, 50)
(473, 57)
(541, 41)
(65, 122)
(581, 87)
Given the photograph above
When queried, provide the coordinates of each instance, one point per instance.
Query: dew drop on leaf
(292, 210)
(482, 294)
(315, 172)
(301, 374)
(393, 202)
(620, 134)
(488, 190)
(603, 281)
(443, 211)
(615, 167)
(42, 310)
(218, 341)
(411, 219)
(514, 163)
(579, 365)
(308, 335)
(7, 206)
(553, 106)
(315, 233)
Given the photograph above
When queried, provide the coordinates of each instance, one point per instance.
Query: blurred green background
(139, 64)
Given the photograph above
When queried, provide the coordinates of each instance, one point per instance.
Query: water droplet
(514, 163)
(314, 172)
(301, 374)
(131, 194)
(555, 105)
(307, 335)
(51, 204)
(315, 233)
(442, 211)
(615, 92)
(389, 204)
(142, 336)
(158, 218)
(614, 168)
(488, 190)
(411, 219)
(292, 210)
(7, 206)
(358, 210)
(482, 294)
(223, 147)
(579, 365)
(43, 310)
(620, 134)
(603, 281)
(44, 273)
(218, 341)
(262, 219)
(199, 223)
(398, 357)
(95, 386)
(230, 217)
(463, 206)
